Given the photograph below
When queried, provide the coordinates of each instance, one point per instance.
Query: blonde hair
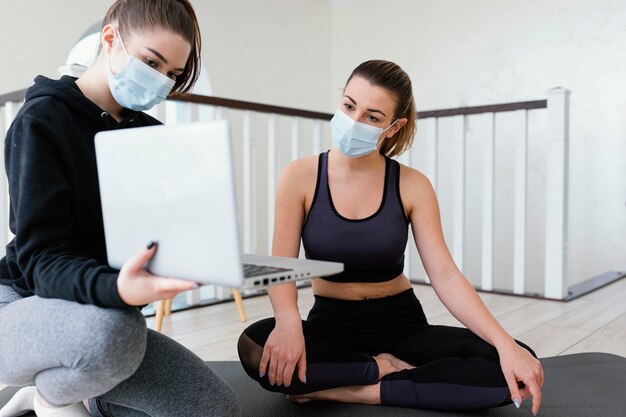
(390, 76)
(176, 16)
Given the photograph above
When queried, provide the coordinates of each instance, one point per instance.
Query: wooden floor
(595, 322)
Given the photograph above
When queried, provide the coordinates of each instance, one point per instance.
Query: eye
(150, 62)
(373, 118)
(173, 76)
(348, 106)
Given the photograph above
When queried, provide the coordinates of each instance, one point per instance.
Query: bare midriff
(360, 290)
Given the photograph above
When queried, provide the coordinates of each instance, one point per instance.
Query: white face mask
(137, 86)
(354, 138)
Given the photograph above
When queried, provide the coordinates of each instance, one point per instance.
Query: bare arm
(460, 298)
(288, 218)
(284, 349)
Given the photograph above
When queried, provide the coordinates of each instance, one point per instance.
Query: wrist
(504, 342)
(288, 317)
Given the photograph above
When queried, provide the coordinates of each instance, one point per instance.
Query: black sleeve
(48, 254)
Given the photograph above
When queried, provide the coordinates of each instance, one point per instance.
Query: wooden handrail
(307, 114)
(492, 108)
(248, 105)
(13, 96)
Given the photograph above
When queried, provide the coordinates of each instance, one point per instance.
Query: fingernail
(535, 413)
(150, 244)
(517, 402)
(261, 374)
(305, 379)
(196, 286)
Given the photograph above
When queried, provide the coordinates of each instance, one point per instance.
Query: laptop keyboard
(252, 270)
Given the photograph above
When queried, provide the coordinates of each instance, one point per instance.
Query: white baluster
(172, 117)
(432, 129)
(295, 138)
(459, 194)
(220, 113)
(557, 171)
(317, 137)
(193, 112)
(432, 149)
(10, 111)
(4, 197)
(272, 149)
(488, 205)
(405, 159)
(249, 188)
(520, 210)
(206, 112)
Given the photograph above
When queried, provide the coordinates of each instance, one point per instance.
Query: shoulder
(411, 178)
(298, 177)
(43, 109)
(301, 169)
(415, 188)
(35, 120)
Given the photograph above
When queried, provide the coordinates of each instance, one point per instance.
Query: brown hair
(174, 15)
(393, 78)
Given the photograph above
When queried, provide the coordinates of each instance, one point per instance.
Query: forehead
(368, 95)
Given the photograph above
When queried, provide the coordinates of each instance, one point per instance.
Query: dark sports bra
(371, 249)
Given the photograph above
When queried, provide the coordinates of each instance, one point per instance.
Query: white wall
(476, 52)
(272, 51)
(36, 36)
(458, 52)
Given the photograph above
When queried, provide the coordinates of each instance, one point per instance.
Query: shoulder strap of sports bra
(321, 186)
(393, 188)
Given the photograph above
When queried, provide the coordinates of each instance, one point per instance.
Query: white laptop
(175, 185)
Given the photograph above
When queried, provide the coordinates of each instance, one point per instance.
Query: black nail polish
(151, 244)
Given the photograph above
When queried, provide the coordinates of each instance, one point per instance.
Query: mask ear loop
(119, 35)
(383, 139)
(390, 126)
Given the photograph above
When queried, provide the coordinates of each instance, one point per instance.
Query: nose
(359, 116)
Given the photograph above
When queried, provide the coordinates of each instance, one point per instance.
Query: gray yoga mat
(580, 385)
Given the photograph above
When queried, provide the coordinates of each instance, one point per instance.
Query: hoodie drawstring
(105, 116)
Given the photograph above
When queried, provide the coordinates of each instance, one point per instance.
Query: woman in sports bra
(366, 339)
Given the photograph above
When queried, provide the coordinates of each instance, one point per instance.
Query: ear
(397, 126)
(107, 37)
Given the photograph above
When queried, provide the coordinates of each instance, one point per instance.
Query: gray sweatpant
(74, 352)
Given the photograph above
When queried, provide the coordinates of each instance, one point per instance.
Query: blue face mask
(354, 138)
(137, 86)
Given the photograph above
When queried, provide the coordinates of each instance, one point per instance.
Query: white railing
(266, 138)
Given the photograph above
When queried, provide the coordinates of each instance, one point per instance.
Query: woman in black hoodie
(71, 328)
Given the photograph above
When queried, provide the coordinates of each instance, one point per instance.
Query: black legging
(455, 369)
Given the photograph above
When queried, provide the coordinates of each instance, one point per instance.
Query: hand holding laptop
(176, 185)
(138, 287)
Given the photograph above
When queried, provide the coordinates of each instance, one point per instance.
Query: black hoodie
(59, 250)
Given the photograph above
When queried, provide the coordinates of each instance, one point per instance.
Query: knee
(250, 354)
(251, 343)
(118, 341)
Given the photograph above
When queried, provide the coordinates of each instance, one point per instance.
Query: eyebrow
(369, 110)
(161, 57)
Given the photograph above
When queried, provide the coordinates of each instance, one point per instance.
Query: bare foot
(388, 364)
(365, 394)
